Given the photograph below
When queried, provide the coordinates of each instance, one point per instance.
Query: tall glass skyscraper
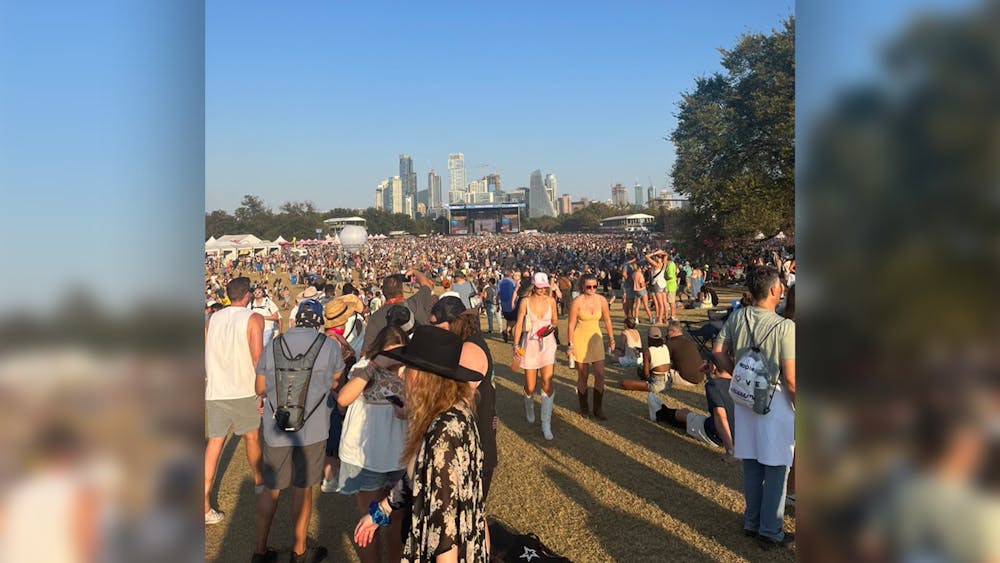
(407, 175)
(434, 189)
(456, 172)
(551, 190)
(539, 204)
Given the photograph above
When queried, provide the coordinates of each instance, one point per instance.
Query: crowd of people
(380, 386)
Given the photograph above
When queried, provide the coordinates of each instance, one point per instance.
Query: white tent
(279, 240)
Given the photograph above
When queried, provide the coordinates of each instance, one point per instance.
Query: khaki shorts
(292, 466)
(671, 297)
(238, 415)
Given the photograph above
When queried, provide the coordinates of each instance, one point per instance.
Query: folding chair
(704, 336)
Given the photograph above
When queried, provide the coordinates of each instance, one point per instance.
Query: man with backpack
(296, 375)
(757, 347)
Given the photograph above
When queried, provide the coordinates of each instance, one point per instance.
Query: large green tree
(735, 142)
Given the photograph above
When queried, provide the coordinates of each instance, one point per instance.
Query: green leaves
(735, 142)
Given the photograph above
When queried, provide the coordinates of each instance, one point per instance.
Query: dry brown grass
(626, 489)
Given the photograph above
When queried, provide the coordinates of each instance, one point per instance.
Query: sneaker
(311, 555)
(269, 556)
(328, 486)
(767, 543)
(213, 516)
(654, 403)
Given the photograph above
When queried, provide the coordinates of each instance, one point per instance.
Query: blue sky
(121, 121)
(316, 100)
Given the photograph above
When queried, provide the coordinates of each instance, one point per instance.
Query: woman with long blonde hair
(443, 483)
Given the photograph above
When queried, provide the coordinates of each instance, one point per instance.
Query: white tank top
(658, 356)
(229, 369)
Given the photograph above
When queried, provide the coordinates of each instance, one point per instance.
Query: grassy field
(626, 489)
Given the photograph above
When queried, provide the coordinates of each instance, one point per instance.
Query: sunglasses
(590, 287)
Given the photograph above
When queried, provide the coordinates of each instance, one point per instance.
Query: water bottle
(572, 359)
(761, 399)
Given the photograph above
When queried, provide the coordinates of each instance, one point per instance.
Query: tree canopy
(735, 142)
(300, 219)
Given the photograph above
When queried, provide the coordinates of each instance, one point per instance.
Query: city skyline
(296, 113)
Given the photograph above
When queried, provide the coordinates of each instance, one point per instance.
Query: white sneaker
(696, 428)
(529, 408)
(654, 403)
(328, 486)
(213, 516)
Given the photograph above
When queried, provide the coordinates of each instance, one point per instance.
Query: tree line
(300, 219)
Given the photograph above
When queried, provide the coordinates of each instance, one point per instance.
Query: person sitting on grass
(682, 367)
(628, 351)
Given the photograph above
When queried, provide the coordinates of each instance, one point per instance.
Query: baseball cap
(540, 280)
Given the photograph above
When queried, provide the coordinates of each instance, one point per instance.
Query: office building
(565, 205)
(638, 193)
(380, 195)
(434, 190)
(619, 196)
(407, 175)
(456, 173)
(478, 186)
(394, 195)
(650, 193)
(551, 190)
(493, 183)
(539, 204)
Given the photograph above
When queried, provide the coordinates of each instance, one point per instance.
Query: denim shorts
(353, 479)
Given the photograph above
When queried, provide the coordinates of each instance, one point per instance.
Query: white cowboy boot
(529, 407)
(548, 401)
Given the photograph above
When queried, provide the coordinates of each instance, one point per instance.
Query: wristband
(379, 517)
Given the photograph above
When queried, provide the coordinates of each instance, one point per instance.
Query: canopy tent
(228, 246)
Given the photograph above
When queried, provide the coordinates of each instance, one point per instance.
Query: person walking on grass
(535, 343)
(587, 343)
(234, 339)
(294, 445)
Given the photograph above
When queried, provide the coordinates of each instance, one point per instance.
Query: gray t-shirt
(328, 363)
(465, 291)
(419, 304)
(774, 334)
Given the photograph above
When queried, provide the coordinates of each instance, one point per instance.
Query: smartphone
(394, 399)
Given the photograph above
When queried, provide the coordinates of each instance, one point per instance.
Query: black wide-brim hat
(434, 350)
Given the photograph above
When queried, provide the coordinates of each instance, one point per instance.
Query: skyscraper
(380, 195)
(565, 205)
(407, 175)
(394, 196)
(456, 173)
(493, 183)
(650, 196)
(619, 197)
(638, 193)
(539, 204)
(434, 187)
(550, 189)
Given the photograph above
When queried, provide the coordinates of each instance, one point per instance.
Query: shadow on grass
(701, 514)
(225, 459)
(628, 529)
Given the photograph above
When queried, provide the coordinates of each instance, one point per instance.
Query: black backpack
(292, 375)
(506, 546)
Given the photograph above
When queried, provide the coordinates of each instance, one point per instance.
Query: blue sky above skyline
(316, 101)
